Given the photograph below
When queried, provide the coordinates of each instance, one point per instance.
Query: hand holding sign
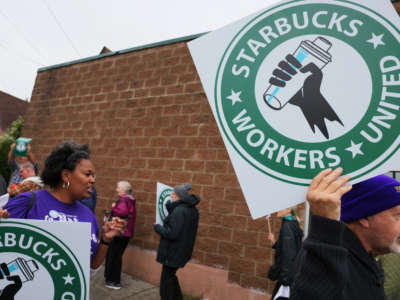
(271, 238)
(14, 285)
(113, 228)
(22, 147)
(325, 192)
(4, 214)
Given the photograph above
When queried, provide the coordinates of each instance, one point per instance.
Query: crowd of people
(66, 185)
(350, 226)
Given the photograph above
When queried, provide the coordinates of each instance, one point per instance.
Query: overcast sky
(39, 33)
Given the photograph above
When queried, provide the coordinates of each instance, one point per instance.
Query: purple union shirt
(48, 208)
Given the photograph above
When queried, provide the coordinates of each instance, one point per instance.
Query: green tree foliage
(6, 140)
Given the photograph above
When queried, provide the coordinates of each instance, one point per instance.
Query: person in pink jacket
(123, 208)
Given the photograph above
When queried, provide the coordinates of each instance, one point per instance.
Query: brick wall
(147, 119)
(397, 6)
(10, 109)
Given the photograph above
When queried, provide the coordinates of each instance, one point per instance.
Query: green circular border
(235, 41)
(160, 202)
(56, 241)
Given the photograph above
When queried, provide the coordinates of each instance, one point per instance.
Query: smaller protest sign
(163, 196)
(21, 146)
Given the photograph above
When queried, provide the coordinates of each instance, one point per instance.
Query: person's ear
(364, 222)
(65, 175)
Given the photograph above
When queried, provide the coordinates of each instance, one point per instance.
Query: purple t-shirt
(48, 208)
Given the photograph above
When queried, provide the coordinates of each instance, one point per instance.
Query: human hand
(271, 238)
(4, 214)
(113, 228)
(14, 285)
(157, 227)
(325, 192)
(307, 96)
(286, 70)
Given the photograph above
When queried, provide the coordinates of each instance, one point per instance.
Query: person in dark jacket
(286, 248)
(91, 201)
(350, 226)
(177, 237)
(3, 186)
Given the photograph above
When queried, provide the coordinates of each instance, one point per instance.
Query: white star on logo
(355, 149)
(68, 279)
(235, 97)
(376, 40)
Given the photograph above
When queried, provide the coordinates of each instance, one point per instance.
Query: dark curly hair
(63, 157)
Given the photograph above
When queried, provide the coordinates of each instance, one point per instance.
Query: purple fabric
(123, 208)
(48, 208)
(370, 197)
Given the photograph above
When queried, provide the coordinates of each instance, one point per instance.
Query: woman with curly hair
(69, 176)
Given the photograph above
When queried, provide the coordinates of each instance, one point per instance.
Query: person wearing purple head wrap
(349, 227)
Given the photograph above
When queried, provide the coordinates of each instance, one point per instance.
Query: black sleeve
(288, 250)
(321, 267)
(173, 227)
(3, 186)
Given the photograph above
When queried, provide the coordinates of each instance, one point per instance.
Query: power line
(62, 29)
(23, 35)
(21, 55)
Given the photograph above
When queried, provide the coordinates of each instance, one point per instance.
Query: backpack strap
(31, 201)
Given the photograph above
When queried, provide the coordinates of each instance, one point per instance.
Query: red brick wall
(147, 119)
(397, 6)
(10, 109)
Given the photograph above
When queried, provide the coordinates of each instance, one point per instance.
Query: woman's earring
(65, 185)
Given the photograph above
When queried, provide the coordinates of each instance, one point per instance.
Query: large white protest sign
(303, 86)
(163, 196)
(44, 260)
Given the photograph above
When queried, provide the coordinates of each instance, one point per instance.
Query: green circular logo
(39, 260)
(21, 146)
(162, 199)
(308, 85)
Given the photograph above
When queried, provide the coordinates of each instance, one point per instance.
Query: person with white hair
(123, 208)
(15, 162)
(29, 184)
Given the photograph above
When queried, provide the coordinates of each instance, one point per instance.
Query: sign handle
(269, 223)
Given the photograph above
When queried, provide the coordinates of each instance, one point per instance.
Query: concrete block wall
(146, 118)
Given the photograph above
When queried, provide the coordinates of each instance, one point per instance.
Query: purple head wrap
(370, 197)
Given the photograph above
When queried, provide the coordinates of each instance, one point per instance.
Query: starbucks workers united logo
(35, 262)
(164, 197)
(308, 85)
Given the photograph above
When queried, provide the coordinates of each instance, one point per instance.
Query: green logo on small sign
(164, 197)
(286, 80)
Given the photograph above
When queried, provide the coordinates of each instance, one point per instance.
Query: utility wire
(23, 35)
(21, 55)
(62, 29)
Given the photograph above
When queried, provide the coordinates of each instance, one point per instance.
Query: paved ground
(132, 289)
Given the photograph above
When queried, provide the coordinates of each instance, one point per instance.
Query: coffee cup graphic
(276, 97)
(23, 268)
